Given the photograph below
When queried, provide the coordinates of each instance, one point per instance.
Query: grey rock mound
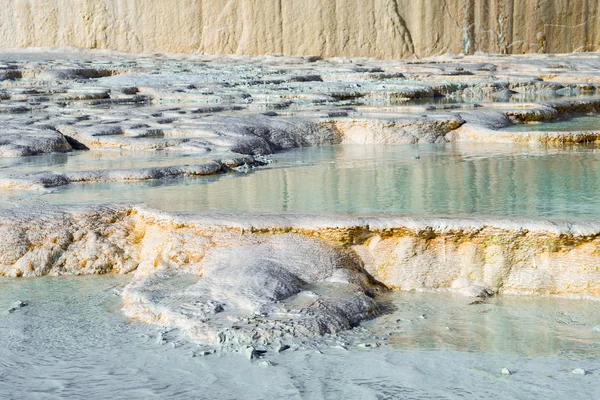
(30, 143)
(279, 289)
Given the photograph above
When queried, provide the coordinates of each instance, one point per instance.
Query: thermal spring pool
(581, 123)
(460, 179)
(201, 227)
(207, 310)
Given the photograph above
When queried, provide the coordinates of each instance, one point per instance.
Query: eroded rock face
(263, 280)
(403, 253)
(48, 241)
(373, 28)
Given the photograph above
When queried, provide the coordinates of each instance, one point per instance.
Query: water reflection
(444, 179)
(476, 96)
(104, 159)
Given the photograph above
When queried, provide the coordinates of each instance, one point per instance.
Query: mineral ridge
(232, 109)
(368, 28)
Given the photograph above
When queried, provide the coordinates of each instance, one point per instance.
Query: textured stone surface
(58, 100)
(243, 279)
(372, 28)
(198, 105)
(282, 286)
(473, 257)
(33, 142)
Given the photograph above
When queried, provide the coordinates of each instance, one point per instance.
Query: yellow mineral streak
(476, 133)
(407, 254)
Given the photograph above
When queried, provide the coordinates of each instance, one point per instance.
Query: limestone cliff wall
(377, 28)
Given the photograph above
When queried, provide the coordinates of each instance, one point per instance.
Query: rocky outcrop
(373, 28)
(292, 276)
(32, 142)
(482, 256)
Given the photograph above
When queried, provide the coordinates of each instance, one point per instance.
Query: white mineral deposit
(267, 199)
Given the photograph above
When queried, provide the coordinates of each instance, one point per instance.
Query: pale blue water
(587, 123)
(105, 159)
(443, 179)
(71, 341)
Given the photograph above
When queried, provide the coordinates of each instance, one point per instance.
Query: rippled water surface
(71, 341)
(443, 179)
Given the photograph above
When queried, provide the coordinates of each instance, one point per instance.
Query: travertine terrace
(201, 115)
(240, 107)
(321, 272)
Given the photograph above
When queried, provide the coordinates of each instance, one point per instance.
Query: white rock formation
(475, 257)
(252, 279)
(23, 143)
(278, 287)
(58, 101)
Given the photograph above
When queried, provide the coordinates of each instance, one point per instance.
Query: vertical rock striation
(372, 28)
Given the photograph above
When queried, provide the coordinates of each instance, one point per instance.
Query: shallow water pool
(586, 123)
(501, 180)
(72, 341)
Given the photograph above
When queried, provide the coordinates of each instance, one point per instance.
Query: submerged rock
(17, 305)
(368, 345)
(281, 348)
(266, 363)
(472, 289)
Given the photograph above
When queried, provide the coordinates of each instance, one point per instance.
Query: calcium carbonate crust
(260, 280)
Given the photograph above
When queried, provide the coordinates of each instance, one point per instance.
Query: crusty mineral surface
(248, 279)
(512, 256)
(243, 279)
(226, 111)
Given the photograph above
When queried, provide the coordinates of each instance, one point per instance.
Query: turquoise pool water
(443, 179)
(587, 123)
